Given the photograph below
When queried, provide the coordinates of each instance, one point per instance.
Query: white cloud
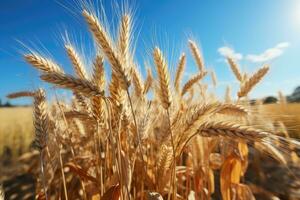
(229, 52)
(268, 54)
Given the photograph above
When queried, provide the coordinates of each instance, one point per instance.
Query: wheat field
(112, 139)
(16, 129)
(289, 114)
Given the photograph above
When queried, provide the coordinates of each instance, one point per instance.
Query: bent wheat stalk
(84, 87)
(189, 84)
(42, 63)
(20, 94)
(231, 130)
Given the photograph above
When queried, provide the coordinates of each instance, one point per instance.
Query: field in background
(289, 114)
(16, 129)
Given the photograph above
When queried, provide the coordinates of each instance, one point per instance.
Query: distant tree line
(6, 104)
(293, 98)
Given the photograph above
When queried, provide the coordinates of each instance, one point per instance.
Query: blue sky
(253, 31)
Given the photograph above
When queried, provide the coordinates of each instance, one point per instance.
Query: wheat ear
(228, 95)
(116, 92)
(231, 130)
(43, 64)
(179, 71)
(235, 69)
(137, 82)
(197, 55)
(189, 84)
(20, 94)
(124, 37)
(99, 81)
(196, 115)
(105, 43)
(41, 120)
(214, 78)
(232, 109)
(76, 61)
(252, 81)
(148, 81)
(164, 78)
(85, 87)
(41, 125)
(98, 72)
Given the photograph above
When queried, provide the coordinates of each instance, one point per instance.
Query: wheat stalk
(84, 87)
(252, 81)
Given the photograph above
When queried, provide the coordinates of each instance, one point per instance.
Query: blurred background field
(16, 126)
(289, 114)
(16, 129)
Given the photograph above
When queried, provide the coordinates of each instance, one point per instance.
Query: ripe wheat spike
(163, 77)
(247, 86)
